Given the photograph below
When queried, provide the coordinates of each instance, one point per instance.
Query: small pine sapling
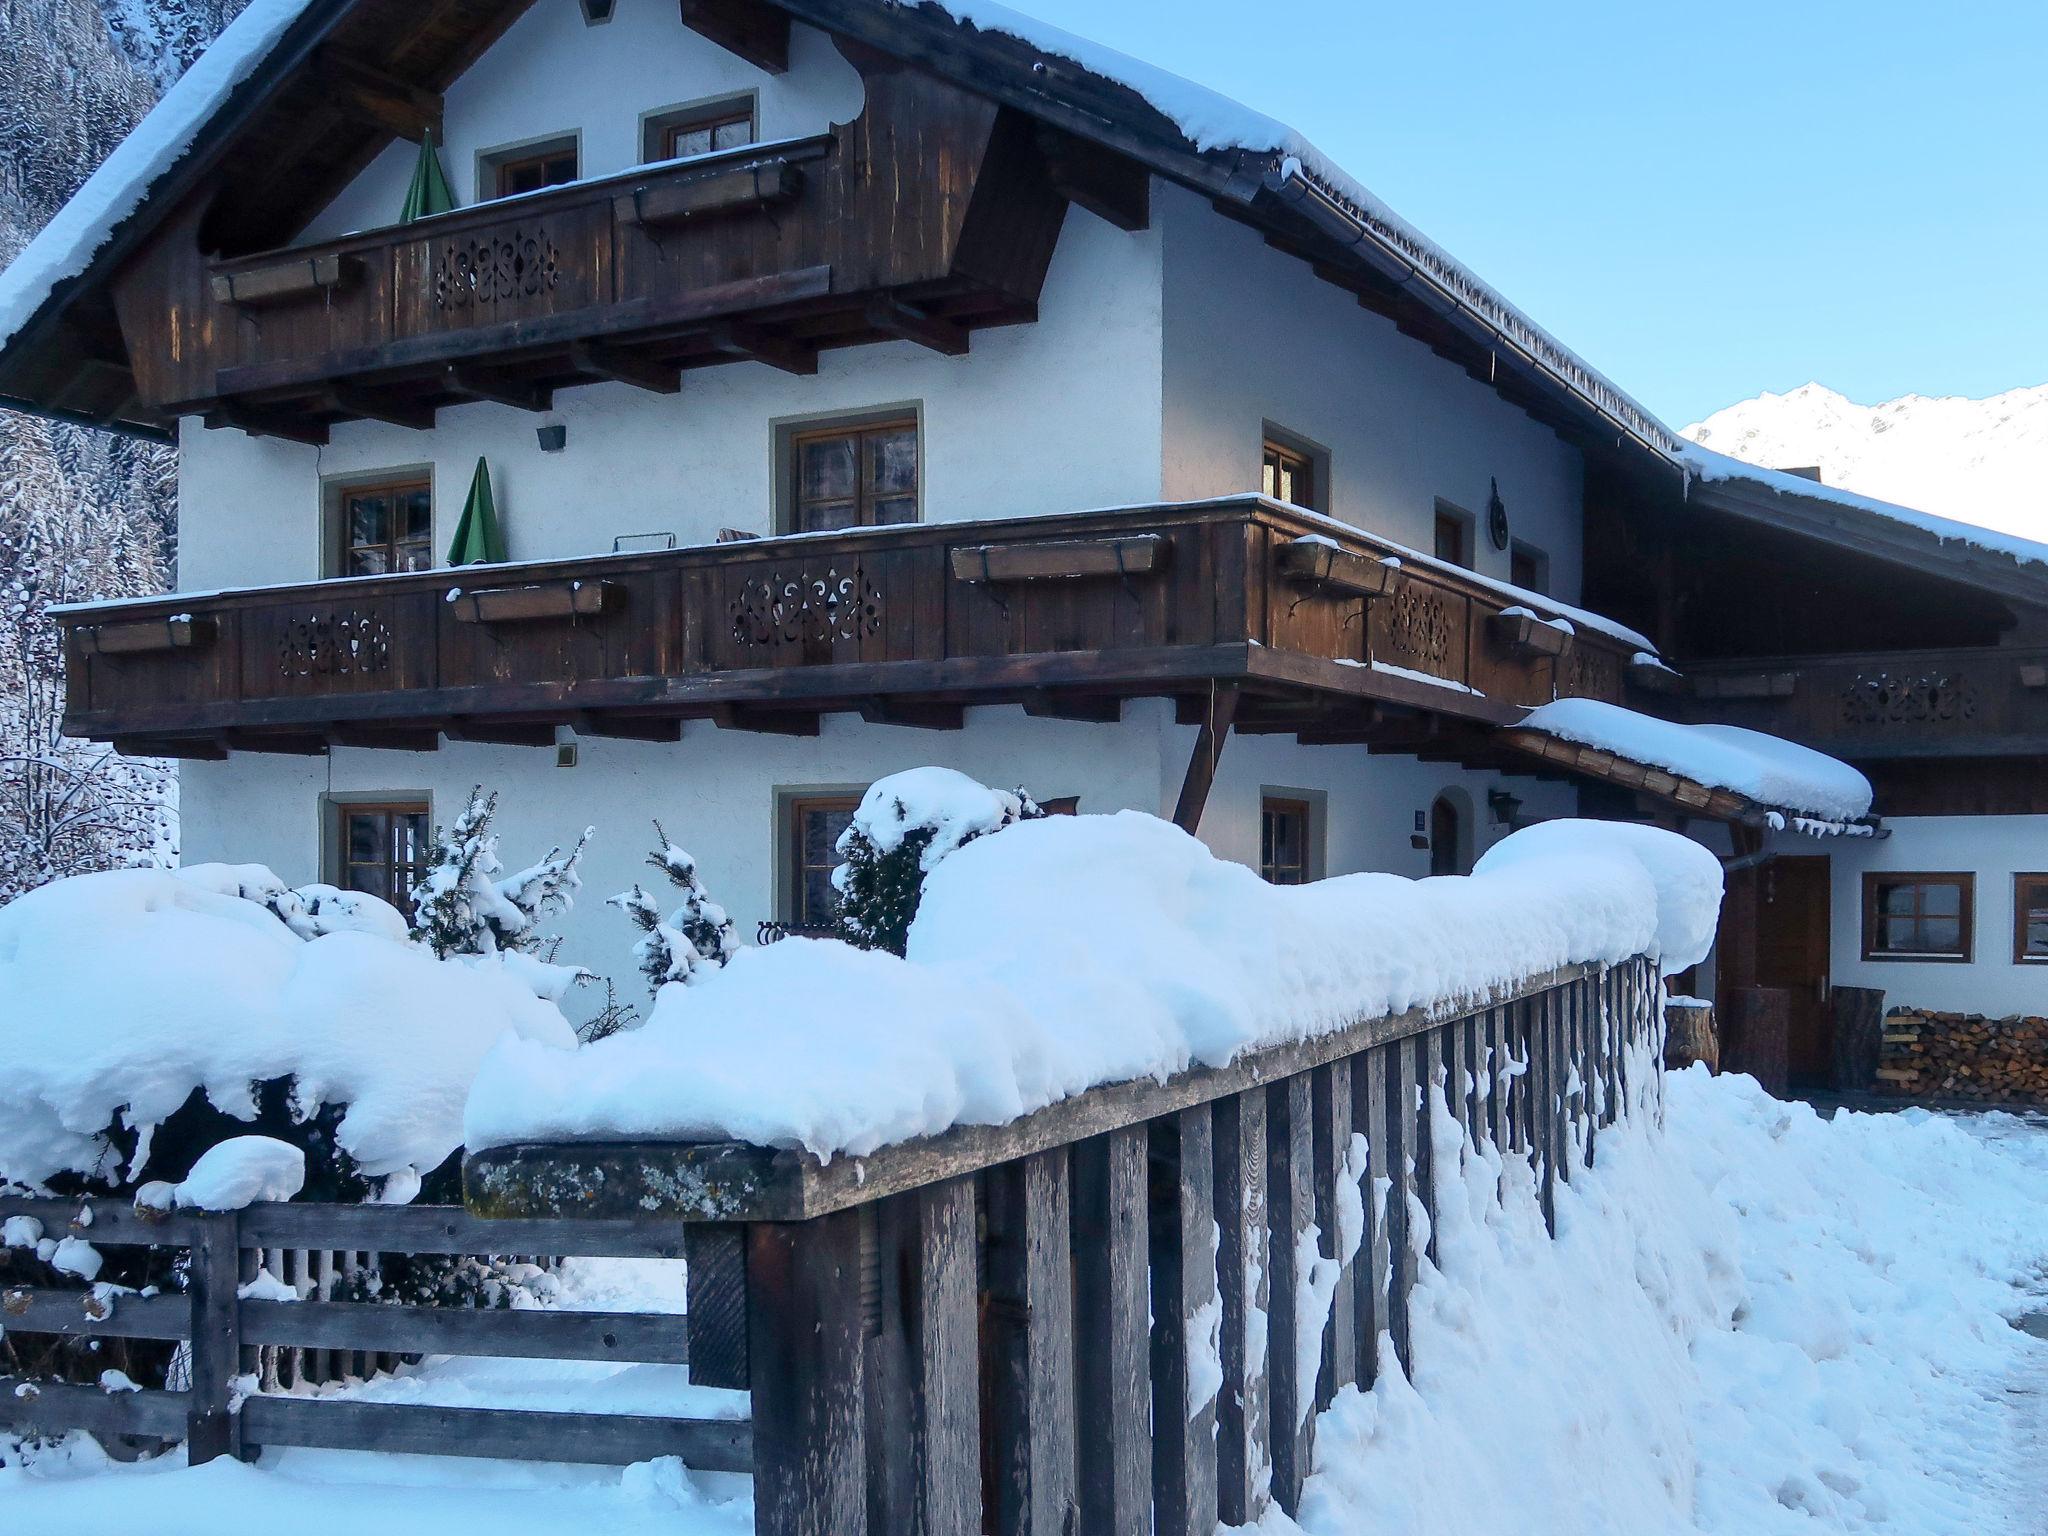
(458, 909)
(692, 941)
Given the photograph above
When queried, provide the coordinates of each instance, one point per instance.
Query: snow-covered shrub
(460, 908)
(905, 825)
(692, 941)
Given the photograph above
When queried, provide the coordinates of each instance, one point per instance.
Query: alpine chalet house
(699, 412)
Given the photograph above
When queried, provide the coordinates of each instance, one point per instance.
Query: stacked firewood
(1964, 1056)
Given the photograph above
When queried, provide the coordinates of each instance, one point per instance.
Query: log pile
(1964, 1056)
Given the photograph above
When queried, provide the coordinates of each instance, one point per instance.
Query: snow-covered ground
(1757, 1321)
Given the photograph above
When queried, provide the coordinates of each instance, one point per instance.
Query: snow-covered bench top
(1067, 953)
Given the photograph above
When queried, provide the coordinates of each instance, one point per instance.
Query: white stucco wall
(1253, 336)
(715, 793)
(1994, 849)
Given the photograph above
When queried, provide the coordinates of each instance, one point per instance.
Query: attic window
(699, 128)
(529, 167)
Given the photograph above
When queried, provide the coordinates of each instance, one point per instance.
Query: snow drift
(127, 990)
(1072, 951)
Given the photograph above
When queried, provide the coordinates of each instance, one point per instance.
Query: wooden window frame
(1281, 802)
(659, 129)
(792, 806)
(341, 547)
(2020, 882)
(1309, 463)
(791, 436)
(339, 808)
(1964, 880)
(493, 164)
(1468, 535)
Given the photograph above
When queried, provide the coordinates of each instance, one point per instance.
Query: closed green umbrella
(478, 540)
(429, 192)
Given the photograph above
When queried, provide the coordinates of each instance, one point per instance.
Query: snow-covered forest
(83, 514)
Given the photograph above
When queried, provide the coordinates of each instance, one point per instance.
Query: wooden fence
(1116, 1315)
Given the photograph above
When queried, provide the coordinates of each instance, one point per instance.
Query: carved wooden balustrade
(1331, 634)
(1892, 704)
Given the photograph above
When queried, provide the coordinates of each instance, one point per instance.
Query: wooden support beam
(623, 367)
(894, 318)
(260, 423)
(295, 743)
(355, 400)
(1111, 186)
(1095, 708)
(920, 716)
(503, 733)
(772, 722)
(379, 98)
(756, 31)
(499, 388)
(199, 749)
(394, 738)
(741, 338)
(630, 727)
(1194, 789)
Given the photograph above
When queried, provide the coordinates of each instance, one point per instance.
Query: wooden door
(1792, 951)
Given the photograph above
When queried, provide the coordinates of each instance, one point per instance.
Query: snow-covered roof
(1769, 770)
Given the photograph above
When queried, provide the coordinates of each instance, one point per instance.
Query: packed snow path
(1758, 1322)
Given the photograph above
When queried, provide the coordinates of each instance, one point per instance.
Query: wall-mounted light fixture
(1504, 807)
(554, 437)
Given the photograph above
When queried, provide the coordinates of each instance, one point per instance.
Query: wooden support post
(1586, 1008)
(715, 1254)
(1369, 1113)
(1493, 1058)
(1624, 1033)
(1290, 1201)
(804, 1351)
(1542, 1106)
(1428, 1079)
(1031, 1319)
(212, 1428)
(1220, 709)
(1457, 1051)
(1400, 1168)
(1243, 1461)
(1331, 1092)
(1184, 1310)
(1112, 1328)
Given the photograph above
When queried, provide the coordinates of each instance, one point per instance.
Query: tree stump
(1689, 1036)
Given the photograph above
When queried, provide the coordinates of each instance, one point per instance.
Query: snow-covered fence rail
(1117, 1313)
(222, 1329)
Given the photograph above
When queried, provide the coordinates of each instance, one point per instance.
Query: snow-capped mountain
(1978, 461)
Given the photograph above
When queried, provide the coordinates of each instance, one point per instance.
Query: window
(810, 837)
(1446, 837)
(1288, 473)
(510, 172)
(853, 476)
(1528, 567)
(1453, 535)
(1286, 827)
(699, 129)
(1918, 917)
(2030, 919)
(384, 526)
(381, 848)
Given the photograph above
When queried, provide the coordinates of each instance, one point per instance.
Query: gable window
(510, 172)
(810, 838)
(1528, 567)
(2030, 919)
(1287, 472)
(1453, 535)
(1284, 828)
(1918, 916)
(853, 475)
(699, 129)
(383, 526)
(380, 848)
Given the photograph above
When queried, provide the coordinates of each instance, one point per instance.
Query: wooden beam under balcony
(918, 714)
(374, 405)
(756, 31)
(623, 367)
(198, 749)
(906, 322)
(662, 728)
(1091, 708)
(767, 721)
(408, 737)
(1113, 187)
(743, 338)
(476, 382)
(502, 733)
(260, 423)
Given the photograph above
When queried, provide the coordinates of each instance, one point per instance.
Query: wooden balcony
(930, 214)
(1882, 705)
(1309, 631)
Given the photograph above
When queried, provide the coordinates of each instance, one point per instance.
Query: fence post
(1243, 1457)
(212, 1428)
(804, 1353)
(1112, 1327)
(1184, 1303)
(1031, 1314)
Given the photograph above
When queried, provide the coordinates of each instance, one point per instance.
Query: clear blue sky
(1704, 200)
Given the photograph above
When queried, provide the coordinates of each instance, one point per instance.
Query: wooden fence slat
(1400, 1135)
(1290, 1204)
(804, 1348)
(51, 1407)
(1369, 1112)
(1243, 1454)
(595, 1439)
(1185, 1315)
(1331, 1092)
(1542, 1100)
(1428, 1080)
(113, 1224)
(1112, 1331)
(1586, 1004)
(541, 1334)
(451, 1229)
(1457, 1056)
(946, 1476)
(715, 1255)
(1495, 1046)
(28, 1309)
(1032, 1319)
(212, 1429)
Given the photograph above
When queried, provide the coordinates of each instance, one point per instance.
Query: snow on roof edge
(65, 248)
